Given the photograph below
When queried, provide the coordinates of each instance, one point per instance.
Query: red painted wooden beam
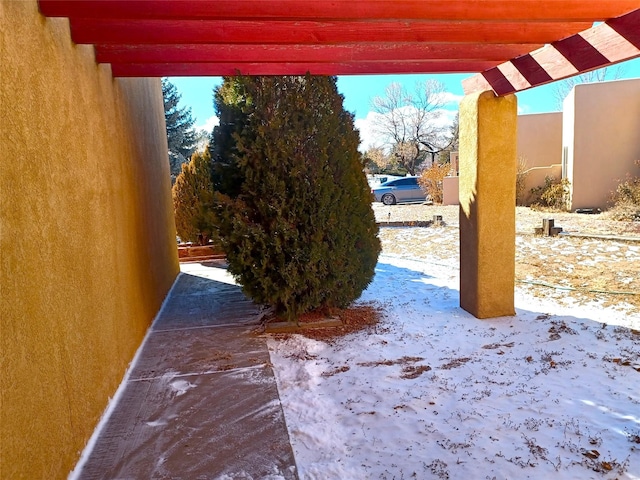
(306, 53)
(233, 68)
(614, 41)
(451, 10)
(216, 37)
(98, 31)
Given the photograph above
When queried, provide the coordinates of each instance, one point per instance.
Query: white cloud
(445, 117)
(368, 136)
(522, 109)
(448, 98)
(209, 124)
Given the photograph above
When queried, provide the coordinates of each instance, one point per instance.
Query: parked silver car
(399, 190)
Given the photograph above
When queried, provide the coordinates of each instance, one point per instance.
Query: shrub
(626, 199)
(626, 212)
(192, 200)
(395, 171)
(300, 233)
(431, 180)
(521, 177)
(628, 192)
(553, 195)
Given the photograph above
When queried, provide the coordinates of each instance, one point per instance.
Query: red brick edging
(198, 253)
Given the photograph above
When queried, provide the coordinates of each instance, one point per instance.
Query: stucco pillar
(487, 204)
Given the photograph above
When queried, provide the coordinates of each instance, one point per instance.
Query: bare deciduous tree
(562, 88)
(409, 123)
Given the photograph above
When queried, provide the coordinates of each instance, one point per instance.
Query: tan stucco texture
(540, 148)
(602, 137)
(87, 237)
(488, 128)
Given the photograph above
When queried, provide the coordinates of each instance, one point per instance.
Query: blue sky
(358, 91)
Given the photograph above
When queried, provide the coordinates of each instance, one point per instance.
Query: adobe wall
(605, 142)
(87, 237)
(540, 148)
(539, 141)
(451, 191)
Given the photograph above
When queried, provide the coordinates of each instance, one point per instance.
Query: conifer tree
(228, 104)
(192, 200)
(181, 136)
(300, 233)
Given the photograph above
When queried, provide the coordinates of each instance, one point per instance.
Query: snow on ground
(432, 392)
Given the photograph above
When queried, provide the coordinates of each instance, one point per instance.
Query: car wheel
(388, 199)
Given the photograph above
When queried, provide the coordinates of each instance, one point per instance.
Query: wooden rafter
(614, 41)
(222, 37)
(291, 53)
(97, 31)
(441, 10)
(297, 68)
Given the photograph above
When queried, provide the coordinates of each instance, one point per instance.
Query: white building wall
(605, 141)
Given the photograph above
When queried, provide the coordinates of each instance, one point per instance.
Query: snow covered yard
(432, 392)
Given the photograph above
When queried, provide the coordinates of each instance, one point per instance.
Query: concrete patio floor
(201, 400)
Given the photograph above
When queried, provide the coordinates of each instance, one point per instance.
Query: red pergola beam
(348, 36)
(443, 10)
(197, 53)
(301, 68)
(95, 31)
(614, 41)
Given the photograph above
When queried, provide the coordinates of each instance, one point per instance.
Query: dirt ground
(526, 219)
(582, 269)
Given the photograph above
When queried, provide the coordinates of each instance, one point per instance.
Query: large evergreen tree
(192, 199)
(298, 228)
(181, 136)
(229, 105)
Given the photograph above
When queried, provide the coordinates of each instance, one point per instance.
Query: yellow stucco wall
(87, 237)
(488, 128)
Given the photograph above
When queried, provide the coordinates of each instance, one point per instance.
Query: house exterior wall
(87, 237)
(539, 140)
(451, 191)
(540, 148)
(605, 141)
(568, 134)
(451, 184)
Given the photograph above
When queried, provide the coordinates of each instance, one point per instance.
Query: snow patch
(181, 386)
(548, 393)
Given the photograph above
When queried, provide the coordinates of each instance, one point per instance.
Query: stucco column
(487, 204)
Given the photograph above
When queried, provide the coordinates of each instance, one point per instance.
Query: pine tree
(192, 200)
(228, 102)
(300, 234)
(181, 136)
